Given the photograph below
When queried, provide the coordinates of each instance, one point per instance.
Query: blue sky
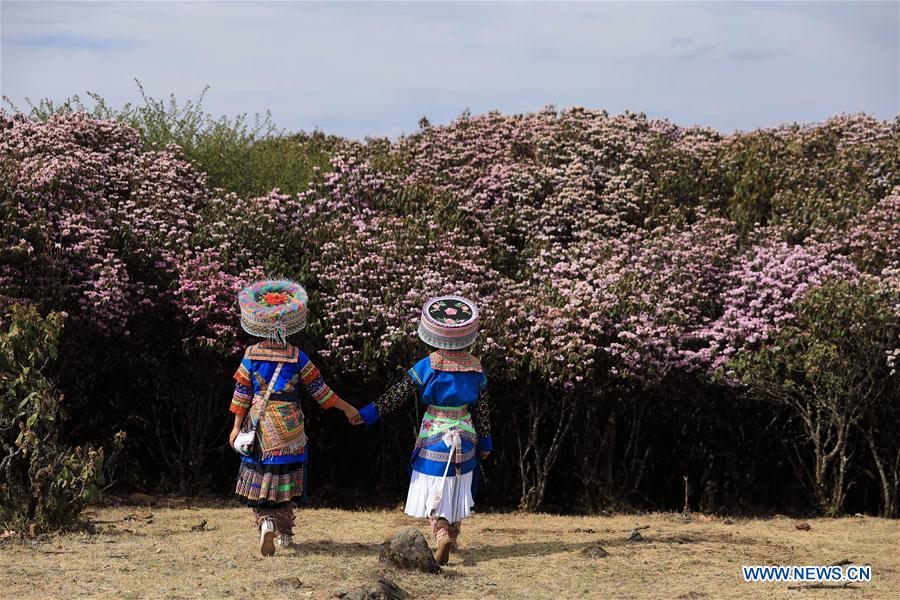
(372, 68)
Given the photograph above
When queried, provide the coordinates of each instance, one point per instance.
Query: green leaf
(90, 493)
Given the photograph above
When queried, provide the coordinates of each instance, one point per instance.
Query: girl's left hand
(485, 454)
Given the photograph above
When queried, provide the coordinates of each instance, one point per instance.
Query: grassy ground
(136, 555)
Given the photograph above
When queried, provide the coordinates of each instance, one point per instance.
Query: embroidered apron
(281, 431)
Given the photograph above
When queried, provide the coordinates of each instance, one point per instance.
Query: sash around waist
(441, 420)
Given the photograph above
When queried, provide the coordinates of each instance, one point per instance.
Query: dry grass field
(153, 552)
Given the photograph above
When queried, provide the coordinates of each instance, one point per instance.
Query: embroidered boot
(284, 527)
(454, 530)
(440, 527)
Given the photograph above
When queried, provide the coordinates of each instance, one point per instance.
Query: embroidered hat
(273, 308)
(449, 322)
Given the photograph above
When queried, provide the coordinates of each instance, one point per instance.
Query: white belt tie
(454, 442)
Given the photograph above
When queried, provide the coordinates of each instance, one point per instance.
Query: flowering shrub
(827, 363)
(604, 251)
(205, 295)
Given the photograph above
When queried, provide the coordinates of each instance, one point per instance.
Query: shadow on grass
(472, 555)
(332, 548)
(478, 552)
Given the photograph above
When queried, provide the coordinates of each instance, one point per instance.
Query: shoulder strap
(269, 388)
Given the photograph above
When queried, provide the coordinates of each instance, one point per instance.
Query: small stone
(288, 583)
(201, 526)
(408, 550)
(584, 530)
(141, 499)
(634, 536)
(382, 589)
(594, 551)
(802, 526)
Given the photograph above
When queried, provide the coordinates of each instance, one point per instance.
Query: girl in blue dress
(456, 427)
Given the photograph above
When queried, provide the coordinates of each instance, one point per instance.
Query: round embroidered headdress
(449, 322)
(273, 308)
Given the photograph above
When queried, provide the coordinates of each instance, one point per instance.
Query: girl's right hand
(353, 416)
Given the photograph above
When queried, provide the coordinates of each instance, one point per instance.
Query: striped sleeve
(243, 388)
(315, 385)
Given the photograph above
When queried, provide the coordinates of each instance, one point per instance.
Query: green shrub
(43, 481)
(830, 369)
(246, 155)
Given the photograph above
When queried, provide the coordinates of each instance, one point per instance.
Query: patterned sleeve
(315, 385)
(481, 417)
(243, 388)
(396, 396)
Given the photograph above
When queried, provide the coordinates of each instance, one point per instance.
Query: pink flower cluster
(587, 240)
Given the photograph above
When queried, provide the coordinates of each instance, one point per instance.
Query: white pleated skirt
(456, 502)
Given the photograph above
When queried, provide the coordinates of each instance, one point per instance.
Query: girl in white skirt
(456, 426)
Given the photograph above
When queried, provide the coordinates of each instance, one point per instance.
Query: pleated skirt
(270, 486)
(456, 501)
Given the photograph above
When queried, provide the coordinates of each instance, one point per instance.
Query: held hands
(353, 416)
(485, 454)
(350, 412)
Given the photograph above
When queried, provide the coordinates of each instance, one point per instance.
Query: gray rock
(634, 536)
(408, 550)
(383, 589)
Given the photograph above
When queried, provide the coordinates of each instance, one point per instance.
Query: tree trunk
(536, 456)
(888, 508)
